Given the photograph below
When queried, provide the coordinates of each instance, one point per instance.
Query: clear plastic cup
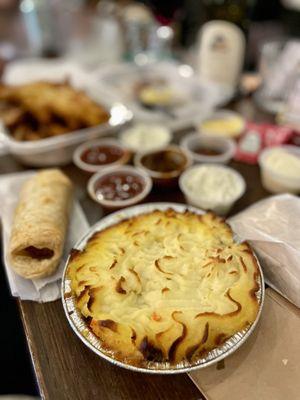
(276, 182)
(223, 116)
(93, 168)
(218, 203)
(224, 146)
(122, 169)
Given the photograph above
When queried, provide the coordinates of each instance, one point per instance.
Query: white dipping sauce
(283, 163)
(212, 187)
(142, 138)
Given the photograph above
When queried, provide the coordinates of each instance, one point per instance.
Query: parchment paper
(266, 366)
(43, 289)
(272, 227)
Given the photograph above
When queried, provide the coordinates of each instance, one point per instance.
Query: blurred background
(81, 28)
(98, 33)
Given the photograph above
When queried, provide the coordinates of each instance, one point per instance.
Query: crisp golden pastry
(40, 224)
(43, 109)
(165, 286)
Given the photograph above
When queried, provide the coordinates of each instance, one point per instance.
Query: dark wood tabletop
(65, 368)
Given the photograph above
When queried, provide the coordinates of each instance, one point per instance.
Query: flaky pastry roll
(40, 224)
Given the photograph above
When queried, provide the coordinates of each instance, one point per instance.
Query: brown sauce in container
(101, 155)
(164, 161)
(119, 186)
(205, 151)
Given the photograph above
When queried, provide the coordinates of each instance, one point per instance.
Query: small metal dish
(79, 325)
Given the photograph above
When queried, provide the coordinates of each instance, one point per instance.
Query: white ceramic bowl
(115, 204)
(225, 146)
(101, 142)
(273, 181)
(219, 204)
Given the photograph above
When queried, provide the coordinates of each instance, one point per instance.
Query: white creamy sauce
(284, 163)
(214, 184)
(145, 137)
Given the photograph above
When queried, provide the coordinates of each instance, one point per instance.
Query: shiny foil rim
(81, 329)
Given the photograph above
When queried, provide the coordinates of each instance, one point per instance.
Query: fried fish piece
(11, 115)
(48, 109)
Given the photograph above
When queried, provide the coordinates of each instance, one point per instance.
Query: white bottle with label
(221, 50)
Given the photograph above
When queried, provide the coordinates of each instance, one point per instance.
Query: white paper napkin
(272, 226)
(43, 289)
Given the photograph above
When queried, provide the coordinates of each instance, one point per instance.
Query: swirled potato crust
(165, 286)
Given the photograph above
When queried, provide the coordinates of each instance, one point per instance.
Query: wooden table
(64, 367)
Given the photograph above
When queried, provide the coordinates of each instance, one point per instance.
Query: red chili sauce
(104, 154)
(119, 186)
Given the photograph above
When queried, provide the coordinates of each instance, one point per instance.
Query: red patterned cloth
(259, 136)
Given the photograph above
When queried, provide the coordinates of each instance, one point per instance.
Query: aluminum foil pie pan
(80, 327)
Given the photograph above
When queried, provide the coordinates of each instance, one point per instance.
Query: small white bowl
(273, 181)
(90, 168)
(141, 137)
(116, 204)
(222, 114)
(218, 205)
(225, 146)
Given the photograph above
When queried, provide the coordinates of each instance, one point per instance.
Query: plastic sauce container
(211, 149)
(225, 123)
(119, 186)
(93, 156)
(212, 187)
(165, 165)
(145, 137)
(279, 173)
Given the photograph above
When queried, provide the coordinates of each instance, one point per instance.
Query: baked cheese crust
(165, 286)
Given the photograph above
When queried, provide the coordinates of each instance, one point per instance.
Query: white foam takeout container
(55, 151)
